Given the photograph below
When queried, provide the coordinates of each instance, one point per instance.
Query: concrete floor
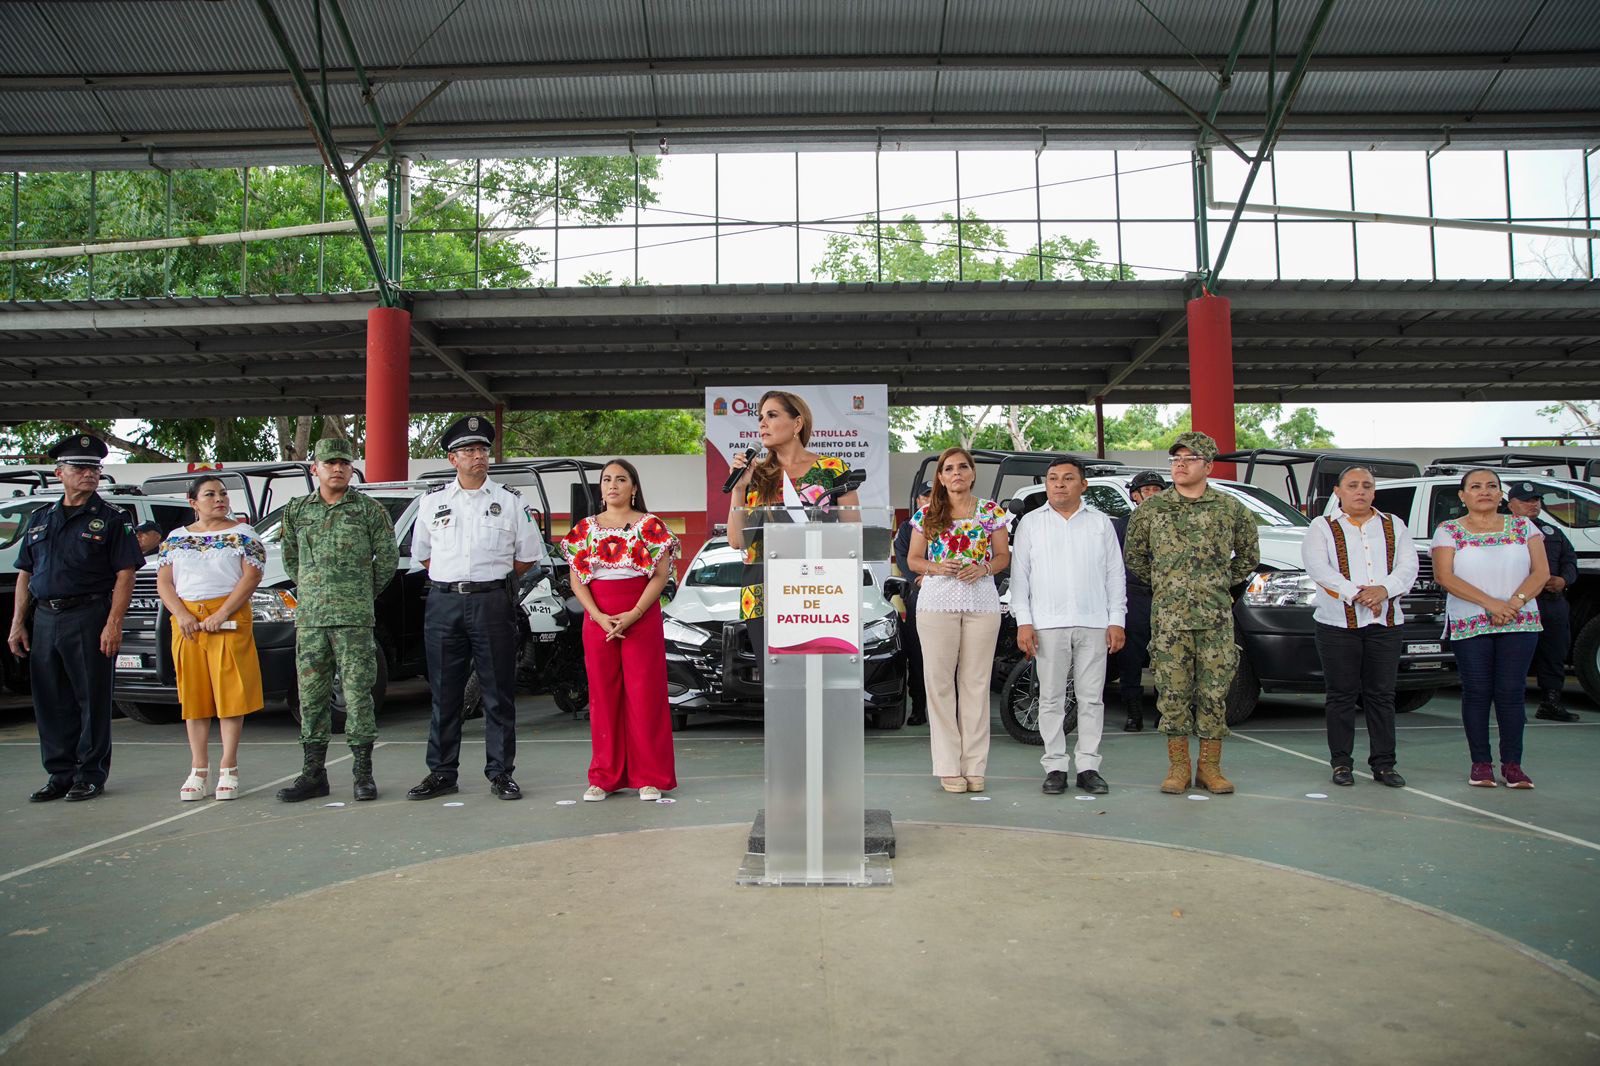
(135, 922)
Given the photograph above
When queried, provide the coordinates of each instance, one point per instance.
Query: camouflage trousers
(1193, 669)
(318, 652)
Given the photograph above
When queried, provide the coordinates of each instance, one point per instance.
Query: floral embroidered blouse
(603, 553)
(967, 540)
(1496, 563)
(823, 475)
(206, 566)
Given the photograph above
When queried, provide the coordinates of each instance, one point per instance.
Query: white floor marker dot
(666, 799)
(1201, 798)
(1316, 795)
(455, 803)
(333, 804)
(980, 799)
(1086, 799)
(566, 803)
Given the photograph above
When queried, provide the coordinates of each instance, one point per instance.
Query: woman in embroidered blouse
(784, 424)
(958, 543)
(1493, 566)
(206, 575)
(621, 559)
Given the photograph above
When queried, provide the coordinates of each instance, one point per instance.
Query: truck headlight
(1281, 588)
(679, 633)
(272, 605)
(880, 631)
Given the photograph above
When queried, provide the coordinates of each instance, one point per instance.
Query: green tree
(544, 433)
(440, 252)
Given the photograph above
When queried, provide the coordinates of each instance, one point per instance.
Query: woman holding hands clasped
(206, 575)
(958, 543)
(1493, 566)
(621, 559)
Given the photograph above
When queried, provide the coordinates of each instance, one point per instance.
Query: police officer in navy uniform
(475, 538)
(1550, 659)
(75, 567)
(1135, 653)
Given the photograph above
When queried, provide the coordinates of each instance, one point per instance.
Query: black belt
(63, 603)
(468, 586)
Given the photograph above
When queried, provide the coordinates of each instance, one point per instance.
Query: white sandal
(649, 793)
(594, 794)
(227, 782)
(194, 786)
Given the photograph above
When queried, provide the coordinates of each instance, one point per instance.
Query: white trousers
(1076, 654)
(957, 660)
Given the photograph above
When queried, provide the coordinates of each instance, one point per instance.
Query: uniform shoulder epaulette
(118, 512)
(440, 487)
(511, 490)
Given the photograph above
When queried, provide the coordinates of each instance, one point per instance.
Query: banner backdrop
(852, 424)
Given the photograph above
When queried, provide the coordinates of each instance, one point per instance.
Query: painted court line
(196, 809)
(1582, 843)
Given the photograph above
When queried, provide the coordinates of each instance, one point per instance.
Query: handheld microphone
(735, 474)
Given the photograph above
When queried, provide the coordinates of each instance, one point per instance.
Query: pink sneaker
(1482, 775)
(1514, 776)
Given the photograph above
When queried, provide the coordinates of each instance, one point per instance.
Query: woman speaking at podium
(787, 475)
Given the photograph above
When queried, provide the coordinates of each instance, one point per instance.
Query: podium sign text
(814, 606)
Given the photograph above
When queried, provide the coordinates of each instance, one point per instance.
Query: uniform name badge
(813, 606)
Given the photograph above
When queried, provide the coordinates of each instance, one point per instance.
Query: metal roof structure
(1034, 342)
(134, 84)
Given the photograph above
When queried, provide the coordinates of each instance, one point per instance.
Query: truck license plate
(1424, 649)
(129, 662)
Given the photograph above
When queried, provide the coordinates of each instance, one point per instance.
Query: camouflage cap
(1196, 442)
(329, 449)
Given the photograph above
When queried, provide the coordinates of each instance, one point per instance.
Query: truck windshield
(1573, 506)
(1264, 507)
(717, 567)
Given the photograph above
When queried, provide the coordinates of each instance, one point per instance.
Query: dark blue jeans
(1494, 670)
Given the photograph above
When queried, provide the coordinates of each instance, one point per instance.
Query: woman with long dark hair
(1493, 566)
(621, 559)
(207, 572)
(788, 473)
(958, 543)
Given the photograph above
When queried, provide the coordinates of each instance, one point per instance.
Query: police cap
(1525, 491)
(471, 429)
(79, 449)
(329, 449)
(1196, 442)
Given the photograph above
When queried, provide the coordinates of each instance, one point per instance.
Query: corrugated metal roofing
(580, 75)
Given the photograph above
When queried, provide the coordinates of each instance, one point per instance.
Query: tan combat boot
(1178, 773)
(1208, 772)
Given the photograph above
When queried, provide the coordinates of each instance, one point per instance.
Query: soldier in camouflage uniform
(1191, 543)
(339, 550)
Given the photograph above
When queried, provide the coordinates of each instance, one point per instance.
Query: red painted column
(388, 393)
(1211, 373)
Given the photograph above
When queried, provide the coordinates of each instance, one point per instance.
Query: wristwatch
(1521, 597)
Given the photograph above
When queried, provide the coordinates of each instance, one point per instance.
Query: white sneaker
(650, 793)
(594, 794)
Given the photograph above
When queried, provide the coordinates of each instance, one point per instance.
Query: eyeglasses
(472, 453)
(1185, 460)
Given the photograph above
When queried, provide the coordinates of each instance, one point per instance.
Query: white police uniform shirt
(475, 534)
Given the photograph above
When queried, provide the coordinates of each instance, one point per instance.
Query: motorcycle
(549, 645)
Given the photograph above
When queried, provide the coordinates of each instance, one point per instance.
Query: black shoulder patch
(440, 487)
(511, 490)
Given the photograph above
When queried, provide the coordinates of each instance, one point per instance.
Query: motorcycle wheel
(1019, 705)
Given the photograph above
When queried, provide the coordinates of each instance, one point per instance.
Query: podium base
(878, 848)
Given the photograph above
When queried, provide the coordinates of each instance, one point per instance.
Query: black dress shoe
(1134, 724)
(1091, 781)
(1343, 775)
(1554, 712)
(50, 791)
(502, 787)
(83, 790)
(1055, 783)
(1389, 777)
(431, 786)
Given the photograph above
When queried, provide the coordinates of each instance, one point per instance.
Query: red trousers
(630, 725)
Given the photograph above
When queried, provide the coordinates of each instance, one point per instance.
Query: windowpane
(1547, 184)
(1315, 250)
(1393, 251)
(685, 190)
(1252, 254)
(757, 188)
(836, 186)
(1313, 179)
(595, 255)
(1156, 185)
(1395, 183)
(1228, 172)
(1158, 250)
(1469, 254)
(997, 185)
(1086, 249)
(1469, 185)
(680, 255)
(761, 254)
(1077, 185)
(922, 184)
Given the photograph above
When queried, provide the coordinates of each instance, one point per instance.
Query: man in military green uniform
(339, 550)
(1191, 544)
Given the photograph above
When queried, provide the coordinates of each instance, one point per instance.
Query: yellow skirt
(219, 675)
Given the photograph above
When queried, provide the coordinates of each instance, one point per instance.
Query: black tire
(893, 717)
(380, 688)
(1019, 705)
(150, 713)
(1586, 658)
(1413, 699)
(680, 722)
(1244, 693)
(571, 693)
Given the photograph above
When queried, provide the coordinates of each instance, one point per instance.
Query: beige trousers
(957, 660)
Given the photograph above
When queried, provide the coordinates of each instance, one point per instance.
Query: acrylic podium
(811, 656)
